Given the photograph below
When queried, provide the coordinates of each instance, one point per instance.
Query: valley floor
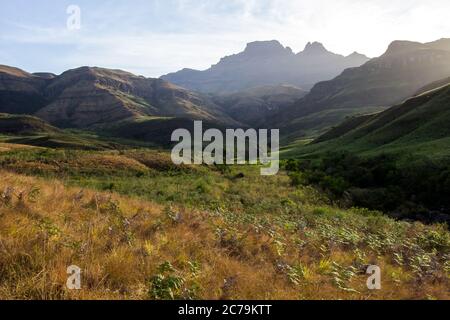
(197, 233)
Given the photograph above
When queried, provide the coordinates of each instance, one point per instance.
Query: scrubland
(140, 228)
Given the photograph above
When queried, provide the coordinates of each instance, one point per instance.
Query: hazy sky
(153, 37)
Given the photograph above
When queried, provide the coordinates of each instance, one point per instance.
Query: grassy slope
(418, 127)
(22, 124)
(383, 81)
(155, 130)
(29, 130)
(314, 125)
(224, 237)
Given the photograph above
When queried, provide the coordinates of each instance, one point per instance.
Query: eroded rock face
(381, 82)
(84, 105)
(267, 63)
(85, 97)
(256, 106)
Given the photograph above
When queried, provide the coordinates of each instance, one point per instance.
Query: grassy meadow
(141, 228)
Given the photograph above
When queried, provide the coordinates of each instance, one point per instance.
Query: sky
(155, 37)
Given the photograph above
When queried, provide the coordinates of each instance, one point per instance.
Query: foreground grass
(160, 233)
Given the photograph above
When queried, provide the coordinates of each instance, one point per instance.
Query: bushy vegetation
(141, 228)
(412, 190)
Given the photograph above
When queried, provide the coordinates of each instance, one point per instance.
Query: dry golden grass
(157, 160)
(120, 243)
(9, 146)
(109, 162)
(14, 71)
(81, 163)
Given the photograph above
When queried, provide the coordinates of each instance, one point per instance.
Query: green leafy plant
(166, 285)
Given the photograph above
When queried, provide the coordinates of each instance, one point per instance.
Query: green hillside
(20, 91)
(29, 130)
(417, 127)
(153, 130)
(403, 70)
(23, 125)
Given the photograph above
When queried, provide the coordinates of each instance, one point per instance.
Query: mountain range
(124, 105)
(417, 127)
(267, 63)
(86, 97)
(381, 82)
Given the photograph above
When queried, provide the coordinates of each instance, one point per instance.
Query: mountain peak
(265, 47)
(267, 63)
(314, 48)
(401, 46)
(356, 54)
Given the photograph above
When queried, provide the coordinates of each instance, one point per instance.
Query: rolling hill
(33, 131)
(88, 96)
(24, 125)
(157, 130)
(417, 127)
(20, 91)
(85, 97)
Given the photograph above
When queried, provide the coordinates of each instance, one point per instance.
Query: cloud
(160, 36)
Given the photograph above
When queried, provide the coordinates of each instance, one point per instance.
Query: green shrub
(296, 179)
(166, 285)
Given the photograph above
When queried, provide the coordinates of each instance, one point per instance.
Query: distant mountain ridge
(389, 79)
(420, 125)
(89, 96)
(267, 63)
(255, 106)
(106, 100)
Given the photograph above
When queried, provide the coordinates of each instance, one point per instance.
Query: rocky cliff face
(265, 63)
(396, 75)
(256, 106)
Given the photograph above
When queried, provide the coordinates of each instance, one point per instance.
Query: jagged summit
(356, 56)
(314, 48)
(383, 81)
(267, 63)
